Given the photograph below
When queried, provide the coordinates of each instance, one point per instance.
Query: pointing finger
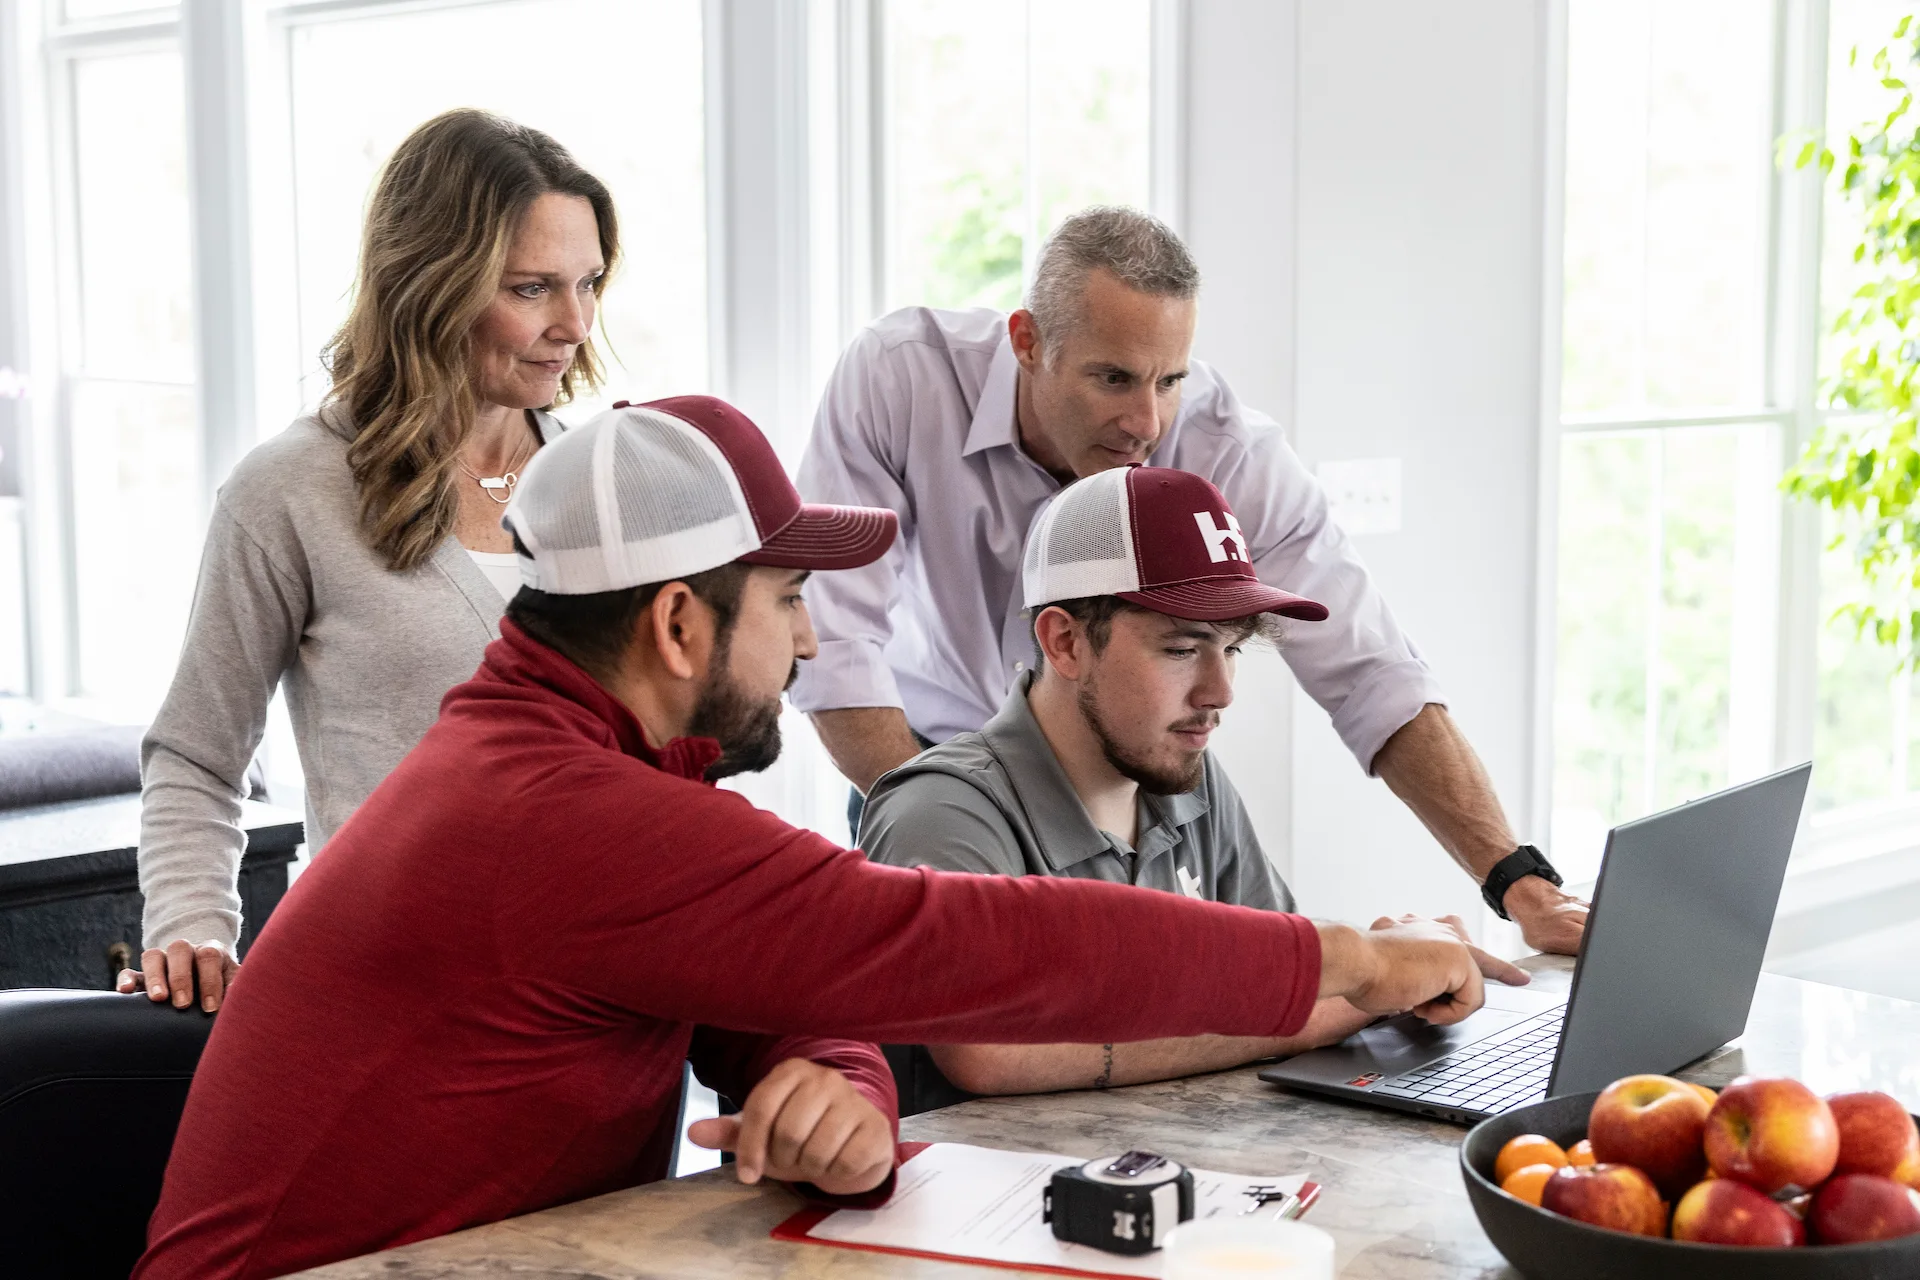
(1499, 970)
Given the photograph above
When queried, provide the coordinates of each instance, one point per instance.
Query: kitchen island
(1393, 1198)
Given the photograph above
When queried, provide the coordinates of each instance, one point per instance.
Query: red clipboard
(795, 1229)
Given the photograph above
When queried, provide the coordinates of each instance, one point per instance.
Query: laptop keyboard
(1495, 1074)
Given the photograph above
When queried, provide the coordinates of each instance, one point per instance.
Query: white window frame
(45, 60)
(1866, 844)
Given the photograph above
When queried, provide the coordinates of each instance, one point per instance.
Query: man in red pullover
(477, 1003)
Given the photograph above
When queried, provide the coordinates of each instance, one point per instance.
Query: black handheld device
(1122, 1204)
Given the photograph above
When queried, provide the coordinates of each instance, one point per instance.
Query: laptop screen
(1679, 929)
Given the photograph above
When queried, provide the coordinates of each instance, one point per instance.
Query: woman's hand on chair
(174, 971)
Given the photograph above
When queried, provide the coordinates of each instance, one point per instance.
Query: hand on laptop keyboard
(1418, 965)
(1491, 966)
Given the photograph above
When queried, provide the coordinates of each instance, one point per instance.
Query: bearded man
(481, 1001)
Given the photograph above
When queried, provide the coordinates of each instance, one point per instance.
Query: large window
(944, 139)
(1864, 728)
(332, 89)
(636, 123)
(1688, 656)
(131, 442)
(1002, 117)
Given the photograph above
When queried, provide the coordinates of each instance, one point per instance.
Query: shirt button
(1019, 666)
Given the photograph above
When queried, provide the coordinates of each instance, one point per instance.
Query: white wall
(1239, 221)
(1409, 227)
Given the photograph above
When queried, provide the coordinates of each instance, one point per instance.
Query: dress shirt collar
(1065, 832)
(994, 416)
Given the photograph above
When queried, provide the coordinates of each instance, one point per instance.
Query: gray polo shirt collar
(1060, 823)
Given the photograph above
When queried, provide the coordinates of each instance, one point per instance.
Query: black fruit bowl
(1546, 1246)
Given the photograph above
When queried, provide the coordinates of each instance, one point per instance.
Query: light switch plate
(1364, 493)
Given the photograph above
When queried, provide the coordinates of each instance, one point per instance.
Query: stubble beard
(1155, 781)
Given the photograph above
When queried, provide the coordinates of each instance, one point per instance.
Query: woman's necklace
(500, 487)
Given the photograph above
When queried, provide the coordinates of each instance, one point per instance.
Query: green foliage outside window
(1866, 468)
(977, 261)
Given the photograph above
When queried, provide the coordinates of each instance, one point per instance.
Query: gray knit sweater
(291, 594)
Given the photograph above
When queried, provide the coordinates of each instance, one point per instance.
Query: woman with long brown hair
(356, 559)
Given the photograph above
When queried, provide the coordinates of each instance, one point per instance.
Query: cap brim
(823, 537)
(1219, 599)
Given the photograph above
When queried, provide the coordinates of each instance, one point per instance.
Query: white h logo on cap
(1218, 538)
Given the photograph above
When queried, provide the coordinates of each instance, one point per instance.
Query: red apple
(1725, 1212)
(1616, 1196)
(1857, 1207)
(1655, 1124)
(1772, 1133)
(1876, 1134)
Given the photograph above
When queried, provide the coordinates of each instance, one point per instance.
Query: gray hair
(1137, 248)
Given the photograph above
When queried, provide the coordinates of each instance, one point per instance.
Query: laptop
(1666, 974)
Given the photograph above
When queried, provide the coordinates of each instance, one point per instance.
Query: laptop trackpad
(1407, 1042)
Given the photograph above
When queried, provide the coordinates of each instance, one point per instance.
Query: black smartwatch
(1522, 862)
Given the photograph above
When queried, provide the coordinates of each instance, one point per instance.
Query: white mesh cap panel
(670, 484)
(632, 497)
(564, 468)
(1082, 544)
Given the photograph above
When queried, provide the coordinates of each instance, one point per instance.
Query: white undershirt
(502, 569)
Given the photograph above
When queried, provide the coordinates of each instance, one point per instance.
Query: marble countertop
(1393, 1198)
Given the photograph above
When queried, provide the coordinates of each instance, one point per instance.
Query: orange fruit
(1703, 1091)
(1528, 1183)
(1580, 1153)
(1528, 1148)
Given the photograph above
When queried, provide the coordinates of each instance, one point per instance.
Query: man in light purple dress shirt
(966, 423)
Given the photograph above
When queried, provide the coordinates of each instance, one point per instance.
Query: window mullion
(842, 154)
(57, 596)
(23, 417)
(213, 46)
(1167, 123)
(1536, 813)
(758, 211)
(1796, 338)
(717, 121)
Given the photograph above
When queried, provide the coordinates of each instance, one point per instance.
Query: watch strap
(1522, 862)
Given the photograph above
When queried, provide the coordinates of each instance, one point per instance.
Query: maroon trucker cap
(793, 534)
(1156, 537)
(649, 493)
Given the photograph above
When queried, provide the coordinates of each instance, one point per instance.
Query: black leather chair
(91, 1088)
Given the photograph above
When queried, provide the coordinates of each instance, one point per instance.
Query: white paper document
(980, 1204)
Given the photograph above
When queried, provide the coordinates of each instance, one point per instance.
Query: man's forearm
(865, 742)
(1434, 770)
(1045, 1068)
(1432, 767)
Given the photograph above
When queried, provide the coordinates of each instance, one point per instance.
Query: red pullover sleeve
(732, 1063)
(684, 902)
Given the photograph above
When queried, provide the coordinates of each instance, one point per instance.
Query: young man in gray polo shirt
(1141, 595)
